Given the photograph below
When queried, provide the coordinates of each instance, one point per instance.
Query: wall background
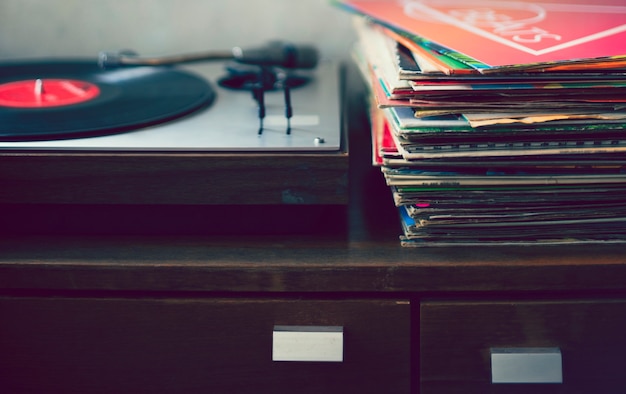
(70, 28)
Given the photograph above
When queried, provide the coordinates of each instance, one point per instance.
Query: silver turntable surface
(231, 123)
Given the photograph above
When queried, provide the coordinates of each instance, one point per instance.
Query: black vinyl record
(74, 99)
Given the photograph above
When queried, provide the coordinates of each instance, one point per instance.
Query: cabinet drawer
(457, 339)
(196, 345)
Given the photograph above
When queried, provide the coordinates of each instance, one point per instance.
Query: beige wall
(43, 28)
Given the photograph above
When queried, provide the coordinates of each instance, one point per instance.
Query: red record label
(42, 93)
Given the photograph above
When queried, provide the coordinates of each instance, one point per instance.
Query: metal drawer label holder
(307, 343)
(526, 365)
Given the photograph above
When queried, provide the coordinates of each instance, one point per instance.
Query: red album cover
(505, 33)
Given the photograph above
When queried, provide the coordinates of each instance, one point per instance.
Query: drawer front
(197, 345)
(585, 339)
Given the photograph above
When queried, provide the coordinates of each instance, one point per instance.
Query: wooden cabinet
(193, 345)
(129, 294)
(456, 338)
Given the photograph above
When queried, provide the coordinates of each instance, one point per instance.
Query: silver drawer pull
(526, 365)
(307, 343)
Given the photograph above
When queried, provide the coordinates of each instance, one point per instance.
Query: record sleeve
(509, 36)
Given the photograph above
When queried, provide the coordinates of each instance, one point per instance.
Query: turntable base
(173, 178)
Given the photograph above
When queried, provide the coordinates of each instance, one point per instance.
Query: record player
(73, 132)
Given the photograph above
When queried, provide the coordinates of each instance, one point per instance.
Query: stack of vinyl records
(498, 122)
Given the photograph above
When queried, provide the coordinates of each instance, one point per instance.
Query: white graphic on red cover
(531, 27)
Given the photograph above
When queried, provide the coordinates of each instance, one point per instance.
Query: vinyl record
(74, 99)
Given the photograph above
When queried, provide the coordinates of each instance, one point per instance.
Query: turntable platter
(74, 99)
